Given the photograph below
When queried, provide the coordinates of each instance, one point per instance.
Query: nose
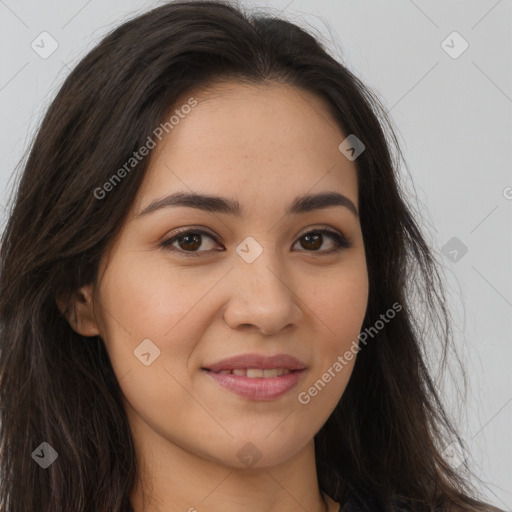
(262, 298)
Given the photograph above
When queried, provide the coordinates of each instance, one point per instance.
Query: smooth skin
(262, 145)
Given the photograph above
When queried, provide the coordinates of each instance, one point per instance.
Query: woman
(206, 281)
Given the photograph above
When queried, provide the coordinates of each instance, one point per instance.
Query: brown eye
(188, 242)
(313, 240)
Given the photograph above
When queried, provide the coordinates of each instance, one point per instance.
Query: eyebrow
(216, 204)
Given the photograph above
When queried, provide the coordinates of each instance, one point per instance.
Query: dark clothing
(356, 502)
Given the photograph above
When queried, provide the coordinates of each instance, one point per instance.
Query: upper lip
(246, 361)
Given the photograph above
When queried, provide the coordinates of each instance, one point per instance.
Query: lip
(245, 361)
(266, 388)
(258, 388)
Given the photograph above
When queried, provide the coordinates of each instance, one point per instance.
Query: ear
(77, 308)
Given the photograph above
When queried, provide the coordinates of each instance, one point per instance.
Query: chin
(264, 449)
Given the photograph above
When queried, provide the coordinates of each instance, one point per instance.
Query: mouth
(257, 377)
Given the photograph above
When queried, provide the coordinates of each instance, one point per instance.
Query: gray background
(453, 118)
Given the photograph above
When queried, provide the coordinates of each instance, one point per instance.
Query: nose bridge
(261, 294)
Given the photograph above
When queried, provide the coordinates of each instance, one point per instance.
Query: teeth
(254, 372)
(257, 372)
(274, 372)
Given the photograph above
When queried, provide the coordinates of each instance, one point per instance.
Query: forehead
(262, 141)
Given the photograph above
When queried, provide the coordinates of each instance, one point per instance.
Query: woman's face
(251, 274)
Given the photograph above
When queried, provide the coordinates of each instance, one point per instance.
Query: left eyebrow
(216, 204)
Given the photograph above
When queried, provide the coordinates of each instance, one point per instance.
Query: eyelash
(340, 240)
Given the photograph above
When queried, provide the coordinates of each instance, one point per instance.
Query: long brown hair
(383, 442)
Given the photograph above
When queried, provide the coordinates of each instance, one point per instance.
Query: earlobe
(78, 310)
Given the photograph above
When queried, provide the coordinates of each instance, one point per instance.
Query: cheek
(339, 304)
(150, 300)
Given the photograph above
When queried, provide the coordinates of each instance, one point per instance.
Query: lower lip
(258, 388)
